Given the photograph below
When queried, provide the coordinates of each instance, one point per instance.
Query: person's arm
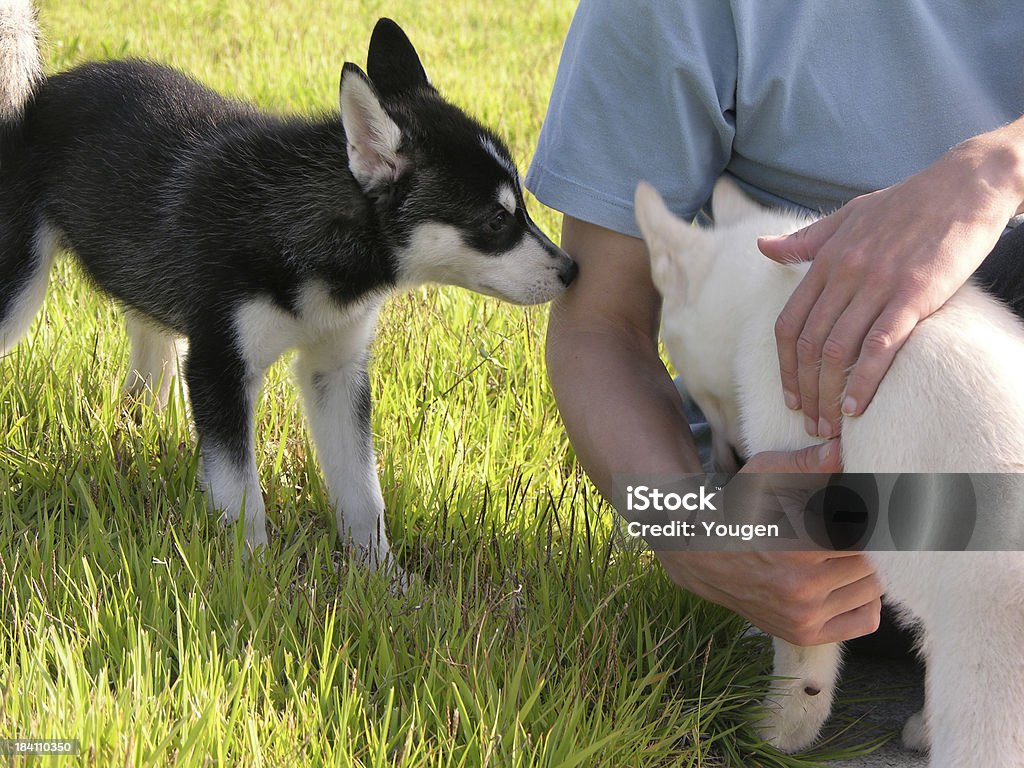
(624, 415)
(621, 410)
(884, 262)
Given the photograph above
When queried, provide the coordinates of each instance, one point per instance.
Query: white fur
(503, 161)
(155, 359)
(20, 67)
(952, 402)
(800, 702)
(525, 274)
(329, 372)
(30, 299)
(334, 343)
(233, 489)
(507, 198)
(373, 137)
(265, 331)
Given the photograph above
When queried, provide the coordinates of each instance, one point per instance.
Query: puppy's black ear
(392, 63)
(373, 138)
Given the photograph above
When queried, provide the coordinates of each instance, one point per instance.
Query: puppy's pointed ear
(392, 63)
(668, 239)
(729, 205)
(373, 137)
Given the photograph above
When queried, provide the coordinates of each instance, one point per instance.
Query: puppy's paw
(915, 732)
(403, 581)
(796, 711)
(256, 543)
(378, 558)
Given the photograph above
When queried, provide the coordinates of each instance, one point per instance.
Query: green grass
(128, 618)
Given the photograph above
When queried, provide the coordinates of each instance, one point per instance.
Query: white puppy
(953, 401)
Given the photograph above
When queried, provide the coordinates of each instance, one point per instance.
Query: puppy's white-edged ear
(729, 205)
(373, 137)
(668, 239)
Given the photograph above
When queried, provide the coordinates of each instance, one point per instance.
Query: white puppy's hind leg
(799, 702)
(153, 367)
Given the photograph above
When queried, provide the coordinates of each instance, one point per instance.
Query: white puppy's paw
(796, 711)
(915, 732)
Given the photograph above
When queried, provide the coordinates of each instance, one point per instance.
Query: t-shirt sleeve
(644, 90)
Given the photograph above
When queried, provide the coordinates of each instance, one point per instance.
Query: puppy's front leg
(222, 389)
(801, 700)
(336, 392)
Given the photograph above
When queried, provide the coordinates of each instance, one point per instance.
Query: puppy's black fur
(248, 233)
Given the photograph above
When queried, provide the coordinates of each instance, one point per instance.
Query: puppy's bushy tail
(21, 68)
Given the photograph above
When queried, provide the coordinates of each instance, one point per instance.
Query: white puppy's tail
(21, 68)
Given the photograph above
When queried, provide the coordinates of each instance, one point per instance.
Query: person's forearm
(620, 407)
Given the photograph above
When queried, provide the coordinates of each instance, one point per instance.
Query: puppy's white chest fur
(265, 331)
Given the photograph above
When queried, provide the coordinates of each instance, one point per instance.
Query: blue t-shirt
(806, 104)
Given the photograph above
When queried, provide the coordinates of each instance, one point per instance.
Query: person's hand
(806, 598)
(881, 264)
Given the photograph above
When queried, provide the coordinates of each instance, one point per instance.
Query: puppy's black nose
(568, 274)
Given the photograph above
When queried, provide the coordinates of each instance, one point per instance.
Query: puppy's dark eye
(499, 221)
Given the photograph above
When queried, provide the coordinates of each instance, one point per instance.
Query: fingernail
(849, 406)
(825, 452)
(791, 400)
(824, 428)
(811, 426)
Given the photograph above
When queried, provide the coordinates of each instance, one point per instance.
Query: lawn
(130, 621)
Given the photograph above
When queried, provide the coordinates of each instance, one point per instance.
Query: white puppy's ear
(729, 205)
(373, 137)
(670, 240)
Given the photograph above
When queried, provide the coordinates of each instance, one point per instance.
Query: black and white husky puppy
(248, 234)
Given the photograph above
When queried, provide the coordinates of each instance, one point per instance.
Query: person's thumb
(816, 458)
(824, 458)
(802, 245)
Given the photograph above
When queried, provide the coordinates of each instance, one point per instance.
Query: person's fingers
(854, 594)
(806, 627)
(788, 328)
(796, 595)
(888, 333)
(838, 355)
(802, 245)
(831, 303)
(856, 623)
